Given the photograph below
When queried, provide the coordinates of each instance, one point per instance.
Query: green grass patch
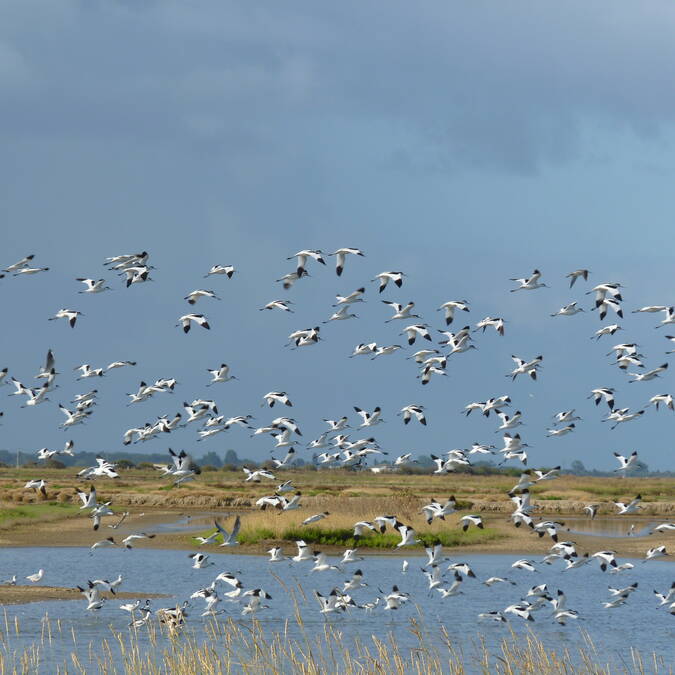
(256, 536)
(345, 537)
(15, 515)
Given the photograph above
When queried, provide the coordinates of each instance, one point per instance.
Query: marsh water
(614, 631)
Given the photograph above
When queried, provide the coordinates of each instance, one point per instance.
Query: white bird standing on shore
(34, 578)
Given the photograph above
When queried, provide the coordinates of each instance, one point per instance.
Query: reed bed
(218, 489)
(229, 645)
(337, 528)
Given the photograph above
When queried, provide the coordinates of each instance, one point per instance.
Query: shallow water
(614, 631)
(610, 527)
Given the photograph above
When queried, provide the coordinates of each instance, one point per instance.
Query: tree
(640, 469)
(212, 459)
(231, 458)
(577, 468)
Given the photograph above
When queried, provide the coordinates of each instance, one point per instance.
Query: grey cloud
(509, 86)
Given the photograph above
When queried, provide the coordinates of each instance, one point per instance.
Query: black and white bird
(129, 540)
(666, 598)
(303, 256)
(385, 277)
(369, 419)
(411, 410)
(415, 330)
(435, 509)
(649, 375)
(229, 538)
(665, 399)
(200, 560)
(401, 311)
(341, 256)
(255, 476)
(529, 283)
(523, 564)
(525, 367)
(92, 596)
(592, 510)
(221, 374)
(577, 274)
(509, 421)
(39, 485)
(565, 417)
(280, 397)
(120, 364)
(656, 552)
(562, 431)
(104, 543)
(24, 262)
(329, 604)
(626, 463)
(227, 270)
(669, 318)
(496, 322)
(466, 521)
(194, 296)
(187, 319)
(94, 285)
(603, 393)
(288, 280)
(632, 506)
(278, 304)
(608, 303)
(354, 296)
(315, 518)
(30, 270)
(568, 310)
(70, 315)
(341, 314)
(449, 308)
(606, 330)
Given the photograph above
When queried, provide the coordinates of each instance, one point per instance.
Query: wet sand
(173, 530)
(18, 595)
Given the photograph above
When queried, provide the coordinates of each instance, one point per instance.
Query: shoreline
(77, 532)
(21, 595)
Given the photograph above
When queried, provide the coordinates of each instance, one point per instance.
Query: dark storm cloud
(503, 85)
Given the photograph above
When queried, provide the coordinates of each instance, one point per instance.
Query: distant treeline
(231, 461)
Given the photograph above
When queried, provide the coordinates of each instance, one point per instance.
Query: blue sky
(462, 145)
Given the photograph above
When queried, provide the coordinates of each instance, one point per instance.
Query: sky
(461, 143)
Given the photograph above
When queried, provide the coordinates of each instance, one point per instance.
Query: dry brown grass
(348, 496)
(224, 488)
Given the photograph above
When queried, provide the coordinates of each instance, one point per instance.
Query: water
(610, 527)
(614, 631)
